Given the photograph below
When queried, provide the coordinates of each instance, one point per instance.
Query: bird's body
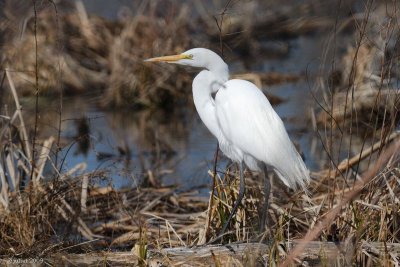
(242, 119)
(256, 133)
(246, 126)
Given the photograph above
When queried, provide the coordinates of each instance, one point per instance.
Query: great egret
(242, 119)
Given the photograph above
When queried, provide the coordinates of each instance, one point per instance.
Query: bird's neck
(220, 71)
(204, 84)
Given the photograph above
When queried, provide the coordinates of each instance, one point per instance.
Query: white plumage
(249, 123)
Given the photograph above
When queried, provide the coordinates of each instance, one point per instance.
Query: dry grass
(142, 37)
(102, 55)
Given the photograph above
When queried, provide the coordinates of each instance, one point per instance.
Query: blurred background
(137, 121)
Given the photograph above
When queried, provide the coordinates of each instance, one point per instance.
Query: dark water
(176, 148)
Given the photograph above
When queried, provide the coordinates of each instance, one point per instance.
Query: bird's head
(196, 57)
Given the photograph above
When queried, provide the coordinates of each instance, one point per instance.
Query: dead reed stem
(18, 111)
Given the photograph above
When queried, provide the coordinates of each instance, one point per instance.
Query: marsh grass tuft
(140, 249)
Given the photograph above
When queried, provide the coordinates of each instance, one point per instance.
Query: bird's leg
(238, 201)
(265, 207)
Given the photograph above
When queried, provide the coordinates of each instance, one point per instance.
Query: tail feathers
(295, 175)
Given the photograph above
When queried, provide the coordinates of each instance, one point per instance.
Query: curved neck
(204, 84)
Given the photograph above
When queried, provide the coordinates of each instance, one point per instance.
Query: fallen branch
(348, 163)
(204, 255)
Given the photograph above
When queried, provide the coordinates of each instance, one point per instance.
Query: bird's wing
(248, 122)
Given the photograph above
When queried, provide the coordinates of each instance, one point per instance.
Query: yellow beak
(169, 59)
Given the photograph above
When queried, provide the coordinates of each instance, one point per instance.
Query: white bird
(242, 119)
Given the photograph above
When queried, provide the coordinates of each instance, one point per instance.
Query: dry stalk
(84, 194)
(22, 129)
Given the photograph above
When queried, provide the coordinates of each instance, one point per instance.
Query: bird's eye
(190, 56)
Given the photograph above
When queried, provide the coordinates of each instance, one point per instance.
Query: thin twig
(36, 92)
